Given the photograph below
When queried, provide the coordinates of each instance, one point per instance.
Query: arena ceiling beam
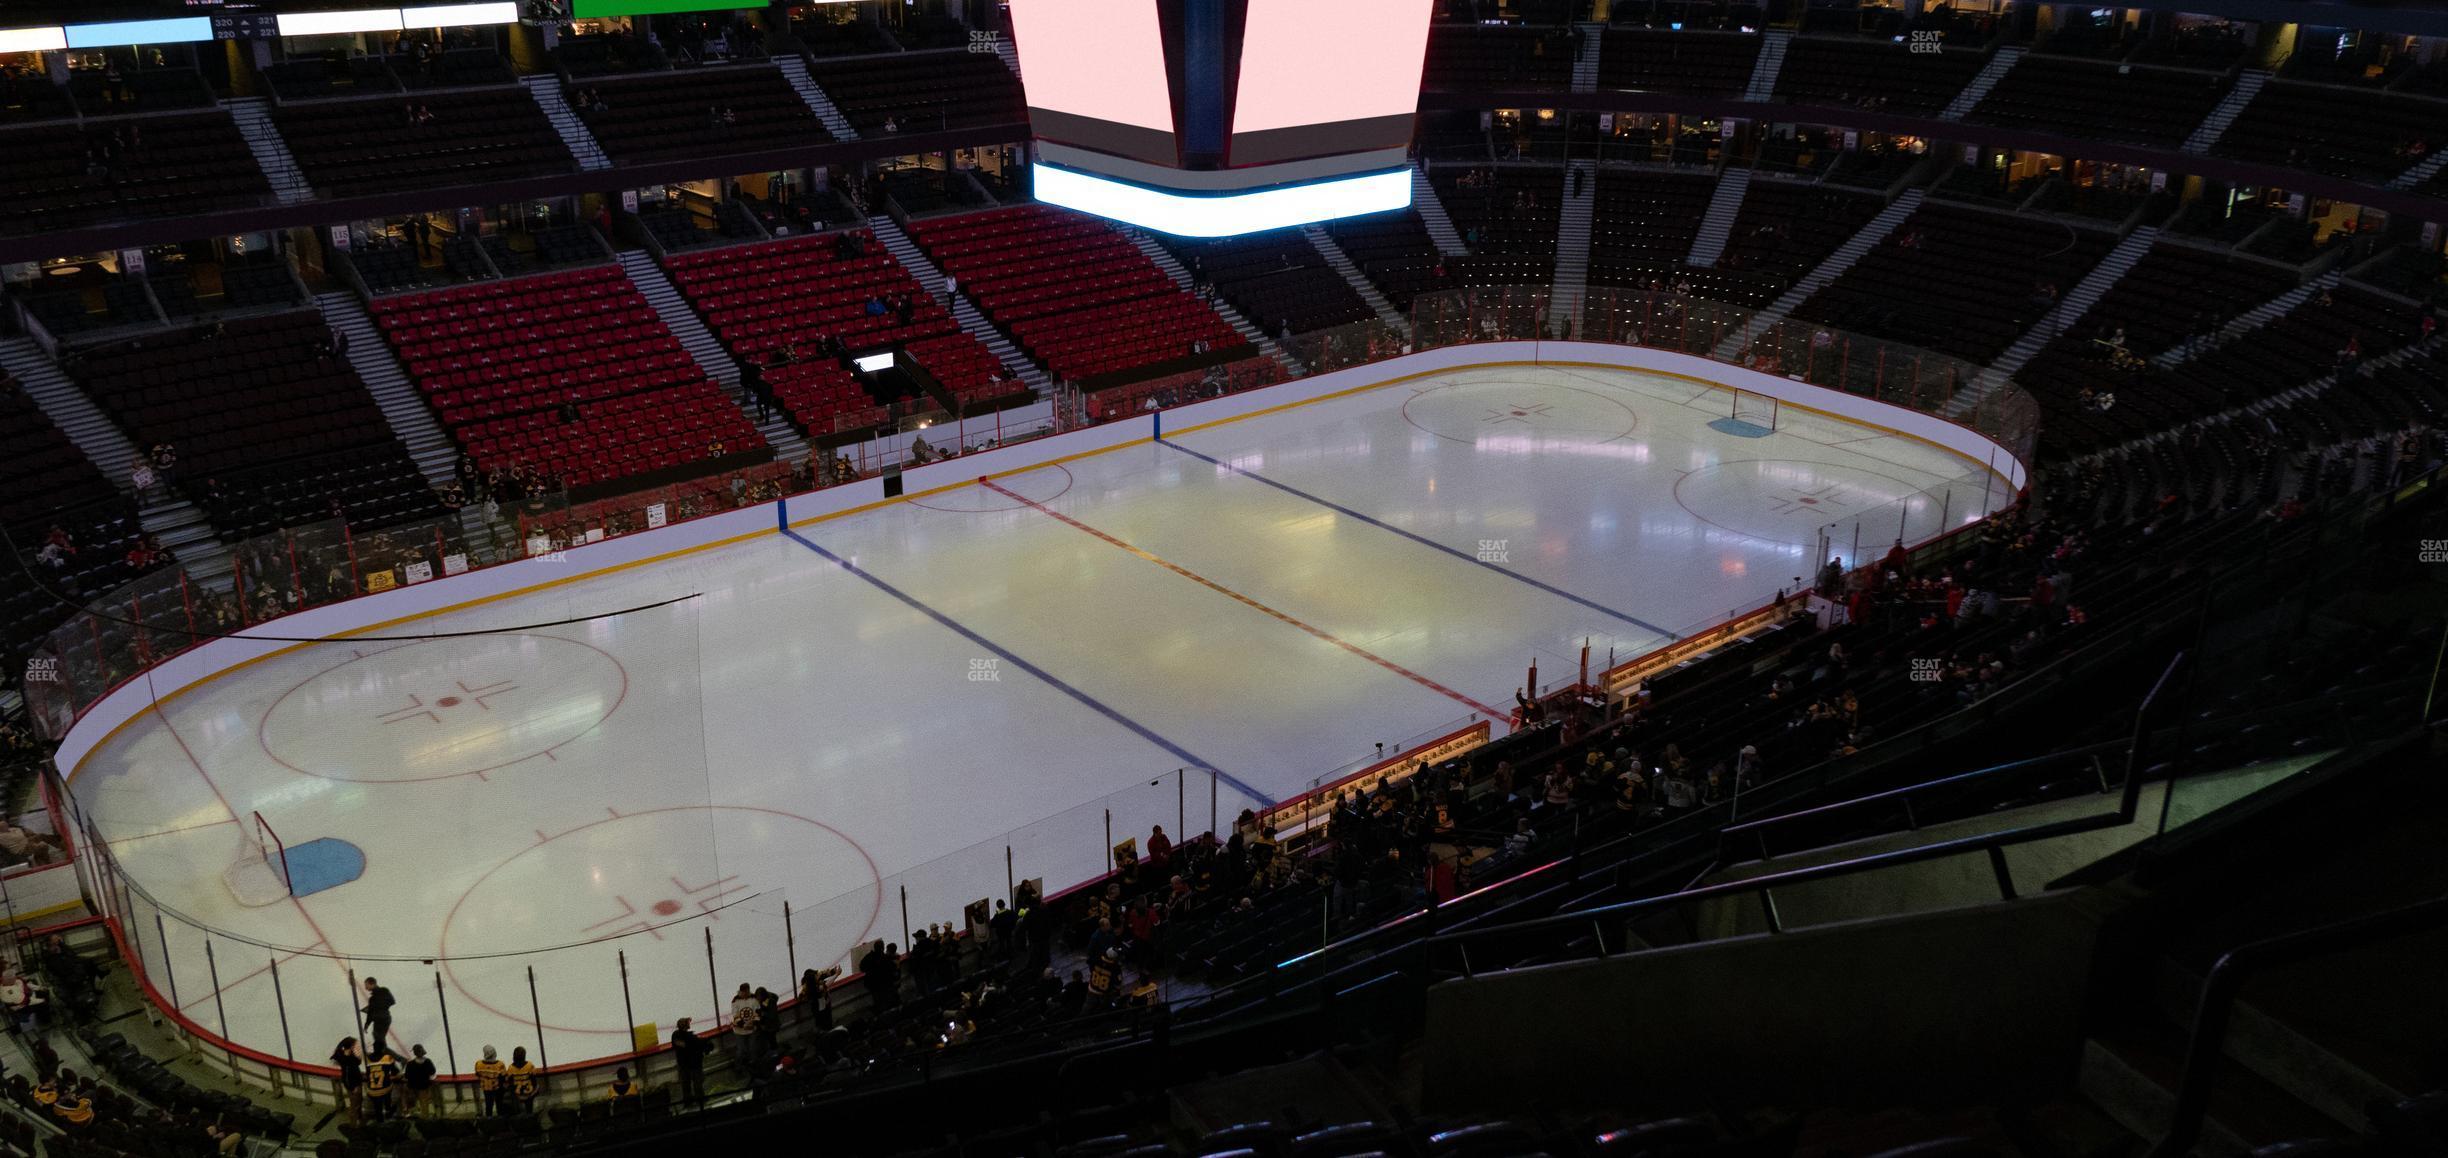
(171, 230)
(2396, 202)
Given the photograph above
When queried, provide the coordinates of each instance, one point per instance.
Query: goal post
(259, 874)
(1758, 409)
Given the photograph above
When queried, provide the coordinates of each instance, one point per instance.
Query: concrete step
(973, 321)
(435, 455)
(814, 96)
(1827, 271)
(2247, 86)
(706, 350)
(2132, 1073)
(2306, 1070)
(183, 528)
(254, 119)
(1573, 224)
(1172, 267)
(2070, 308)
(1982, 82)
(2246, 322)
(77, 416)
(1725, 204)
(1342, 263)
(1771, 61)
(680, 318)
(1585, 57)
(2429, 167)
(1431, 210)
(897, 242)
(546, 89)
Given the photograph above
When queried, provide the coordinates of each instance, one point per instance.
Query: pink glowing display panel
(1099, 59)
(1310, 63)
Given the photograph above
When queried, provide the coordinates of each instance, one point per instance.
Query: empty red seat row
(790, 294)
(571, 372)
(1076, 295)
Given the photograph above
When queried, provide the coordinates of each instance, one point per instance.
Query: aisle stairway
(1571, 282)
(547, 92)
(1829, 270)
(1771, 60)
(827, 113)
(707, 350)
(1725, 204)
(435, 455)
(1982, 82)
(2070, 307)
(897, 242)
(2246, 322)
(2248, 85)
(1431, 210)
(1341, 263)
(254, 118)
(2429, 167)
(1585, 59)
(179, 524)
(101, 440)
(1165, 261)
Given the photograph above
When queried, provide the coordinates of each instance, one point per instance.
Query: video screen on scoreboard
(1095, 75)
(1318, 79)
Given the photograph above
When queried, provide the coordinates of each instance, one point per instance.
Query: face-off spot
(1790, 501)
(653, 885)
(1497, 414)
(441, 708)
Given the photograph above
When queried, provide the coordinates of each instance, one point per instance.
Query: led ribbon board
(1210, 118)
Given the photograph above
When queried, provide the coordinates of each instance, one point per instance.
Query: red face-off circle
(440, 708)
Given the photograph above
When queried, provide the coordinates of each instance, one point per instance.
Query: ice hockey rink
(889, 700)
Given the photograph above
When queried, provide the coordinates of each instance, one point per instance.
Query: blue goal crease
(1424, 541)
(1093, 704)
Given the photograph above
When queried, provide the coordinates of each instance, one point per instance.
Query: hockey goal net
(1759, 410)
(259, 875)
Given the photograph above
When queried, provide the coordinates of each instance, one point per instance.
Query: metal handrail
(1909, 789)
(2308, 704)
(1993, 843)
(2206, 1048)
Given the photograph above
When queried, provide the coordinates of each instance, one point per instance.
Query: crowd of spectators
(1868, 651)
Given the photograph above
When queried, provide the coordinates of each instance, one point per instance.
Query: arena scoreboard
(1210, 118)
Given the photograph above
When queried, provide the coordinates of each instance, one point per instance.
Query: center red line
(1246, 601)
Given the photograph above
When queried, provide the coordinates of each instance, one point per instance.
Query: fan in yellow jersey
(525, 1079)
(489, 1075)
(381, 1082)
(625, 1092)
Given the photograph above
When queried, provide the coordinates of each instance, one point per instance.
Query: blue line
(1092, 703)
(1424, 541)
